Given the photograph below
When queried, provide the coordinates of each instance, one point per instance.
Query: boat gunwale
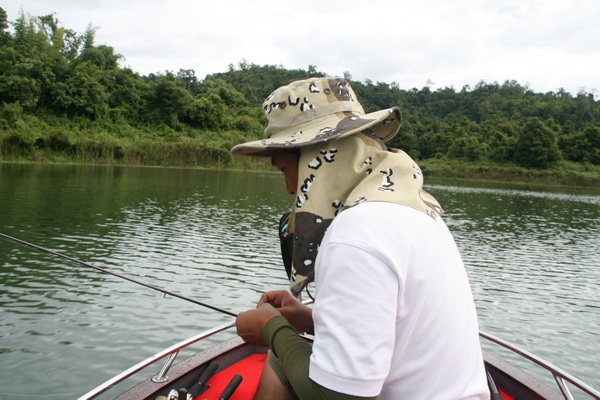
(230, 344)
(554, 370)
(186, 373)
(98, 390)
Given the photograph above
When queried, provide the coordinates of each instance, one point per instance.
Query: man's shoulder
(380, 210)
(372, 222)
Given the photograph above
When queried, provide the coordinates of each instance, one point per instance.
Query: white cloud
(547, 44)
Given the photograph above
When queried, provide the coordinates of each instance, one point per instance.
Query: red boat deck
(249, 368)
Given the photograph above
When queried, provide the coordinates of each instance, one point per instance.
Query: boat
(231, 369)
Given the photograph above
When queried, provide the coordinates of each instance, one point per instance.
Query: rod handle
(233, 384)
(200, 385)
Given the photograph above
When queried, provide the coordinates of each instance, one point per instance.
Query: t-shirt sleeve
(355, 319)
(294, 353)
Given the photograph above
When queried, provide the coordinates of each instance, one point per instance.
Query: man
(394, 316)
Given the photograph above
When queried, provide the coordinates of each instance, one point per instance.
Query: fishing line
(44, 250)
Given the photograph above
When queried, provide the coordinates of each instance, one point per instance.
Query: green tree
(83, 92)
(228, 94)
(582, 147)
(169, 99)
(467, 147)
(591, 136)
(102, 56)
(188, 79)
(207, 112)
(15, 84)
(500, 136)
(537, 145)
(4, 34)
(127, 95)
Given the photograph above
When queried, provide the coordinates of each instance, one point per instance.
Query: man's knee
(270, 386)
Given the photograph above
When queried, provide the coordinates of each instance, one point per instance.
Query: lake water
(533, 258)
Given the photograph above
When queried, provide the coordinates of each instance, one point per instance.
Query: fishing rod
(54, 253)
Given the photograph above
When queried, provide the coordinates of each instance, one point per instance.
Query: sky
(546, 45)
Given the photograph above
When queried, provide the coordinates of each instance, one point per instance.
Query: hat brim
(385, 124)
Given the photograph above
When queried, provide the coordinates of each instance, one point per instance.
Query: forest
(65, 99)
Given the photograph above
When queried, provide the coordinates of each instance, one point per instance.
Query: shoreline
(443, 171)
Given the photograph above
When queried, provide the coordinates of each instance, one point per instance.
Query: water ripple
(533, 259)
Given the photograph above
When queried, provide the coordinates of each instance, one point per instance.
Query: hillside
(65, 99)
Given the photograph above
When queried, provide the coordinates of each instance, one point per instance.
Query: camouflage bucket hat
(316, 110)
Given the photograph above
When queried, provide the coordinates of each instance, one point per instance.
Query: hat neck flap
(334, 176)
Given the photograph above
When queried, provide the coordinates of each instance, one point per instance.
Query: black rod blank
(44, 250)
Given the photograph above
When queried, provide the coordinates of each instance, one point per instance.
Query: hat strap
(312, 114)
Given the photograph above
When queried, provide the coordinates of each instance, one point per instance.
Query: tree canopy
(50, 73)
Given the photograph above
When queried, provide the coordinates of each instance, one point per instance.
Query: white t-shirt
(394, 314)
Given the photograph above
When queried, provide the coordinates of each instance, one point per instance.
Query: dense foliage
(62, 97)
(499, 122)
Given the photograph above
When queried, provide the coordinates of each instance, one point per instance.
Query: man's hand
(298, 314)
(250, 323)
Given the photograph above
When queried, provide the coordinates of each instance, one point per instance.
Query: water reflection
(533, 259)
